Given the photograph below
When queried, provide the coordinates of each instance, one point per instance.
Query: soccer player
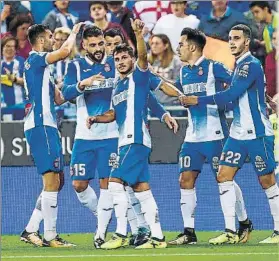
(41, 132)
(251, 134)
(206, 131)
(129, 110)
(90, 81)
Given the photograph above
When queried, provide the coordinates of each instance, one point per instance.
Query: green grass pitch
(14, 250)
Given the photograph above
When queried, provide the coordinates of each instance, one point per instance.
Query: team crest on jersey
(260, 164)
(114, 160)
(56, 163)
(244, 70)
(200, 73)
(107, 67)
(26, 66)
(215, 162)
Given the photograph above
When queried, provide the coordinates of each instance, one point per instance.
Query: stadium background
(21, 185)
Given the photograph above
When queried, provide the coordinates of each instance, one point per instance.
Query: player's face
(48, 41)
(111, 43)
(95, 48)
(59, 39)
(9, 50)
(124, 62)
(183, 49)
(178, 9)
(238, 43)
(157, 46)
(98, 12)
(259, 13)
(275, 40)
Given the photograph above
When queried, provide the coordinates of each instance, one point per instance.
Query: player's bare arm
(89, 81)
(138, 26)
(66, 48)
(188, 100)
(58, 98)
(107, 117)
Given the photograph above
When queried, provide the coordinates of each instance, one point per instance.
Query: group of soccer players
(112, 90)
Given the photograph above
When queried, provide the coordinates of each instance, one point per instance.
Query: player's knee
(187, 180)
(267, 181)
(79, 186)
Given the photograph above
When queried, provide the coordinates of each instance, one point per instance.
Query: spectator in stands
(271, 66)
(150, 12)
(172, 24)
(220, 20)
(263, 14)
(18, 28)
(164, 62)
(98, 12)
(121, 15)
(5, 13)
(113, 38)
(11, 72)
(60, 16)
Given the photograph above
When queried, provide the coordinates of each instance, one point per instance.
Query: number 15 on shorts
(78, 170)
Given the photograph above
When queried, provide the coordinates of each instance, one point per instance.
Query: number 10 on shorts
(185, 162)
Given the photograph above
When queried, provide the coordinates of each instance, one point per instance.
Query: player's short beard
(93, 58)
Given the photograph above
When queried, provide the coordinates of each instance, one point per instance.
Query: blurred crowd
(164, 21)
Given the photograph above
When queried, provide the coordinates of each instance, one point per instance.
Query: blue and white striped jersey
(247, 92)
(205, 77)
(40, 91)
(130, 101)
(95, 100)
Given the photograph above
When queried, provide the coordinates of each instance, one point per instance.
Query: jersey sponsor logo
(260, 164)
(194, 88)
(118, 98)
(108, 83)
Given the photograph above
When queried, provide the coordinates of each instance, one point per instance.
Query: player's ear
(83, 44)
(192, 47)
(247, 42)
(134, 59)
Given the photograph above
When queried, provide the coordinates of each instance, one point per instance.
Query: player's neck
(241, 54)
(37, 49)
(194, 59)
(269, 17)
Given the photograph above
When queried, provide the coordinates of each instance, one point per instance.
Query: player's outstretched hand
(188, 100)
(171, 123)
(90, 121)
(137, 25)
(77, 27)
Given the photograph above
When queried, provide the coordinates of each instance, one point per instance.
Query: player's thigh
(190, 159)
(106, 157)
(131, 163)
(261, 152)
(83, 161)
(45, 146)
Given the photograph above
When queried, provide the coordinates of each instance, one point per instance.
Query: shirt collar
(90, 62)
(226, 14)
(240, 59)
(199, 61)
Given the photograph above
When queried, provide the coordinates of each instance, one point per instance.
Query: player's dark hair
(91, 31)
(244, 28)
(196, 36)
(114, 32)
(124, 48)
(261, 4)
(103, 3)
(115, 2)
(178, 2)
(35, 31)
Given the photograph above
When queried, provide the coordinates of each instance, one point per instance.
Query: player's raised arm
(65, 50)
(107, 117)
(138, 26)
